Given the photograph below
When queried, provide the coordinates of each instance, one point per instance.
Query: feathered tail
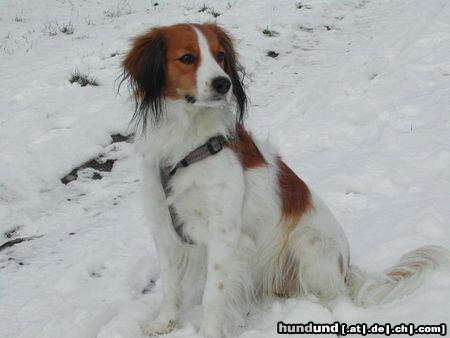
(399, 280)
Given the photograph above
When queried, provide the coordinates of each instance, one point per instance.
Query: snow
(361, 110)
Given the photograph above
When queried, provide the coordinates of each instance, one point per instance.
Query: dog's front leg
(171, 288)
(169, 249)
(220, 284)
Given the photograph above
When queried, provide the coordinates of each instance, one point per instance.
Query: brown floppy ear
(144, 67)
(235, 71)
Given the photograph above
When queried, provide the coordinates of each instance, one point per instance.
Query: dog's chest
(196, 196)
(188, 213)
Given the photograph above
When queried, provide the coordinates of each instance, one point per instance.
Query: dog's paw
(211, 331)
(157, 327)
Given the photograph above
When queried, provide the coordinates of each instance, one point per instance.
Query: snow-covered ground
(358, 101)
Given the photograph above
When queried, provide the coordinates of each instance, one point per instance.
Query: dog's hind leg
(321, 265)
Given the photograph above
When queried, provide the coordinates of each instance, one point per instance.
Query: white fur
(234, 217)
(207, 71)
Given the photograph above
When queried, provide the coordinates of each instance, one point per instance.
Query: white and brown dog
(225, 208)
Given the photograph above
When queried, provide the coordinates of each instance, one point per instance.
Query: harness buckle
(214, 146)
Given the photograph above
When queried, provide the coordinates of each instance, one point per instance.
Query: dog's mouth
(190, 99)
(214, 101)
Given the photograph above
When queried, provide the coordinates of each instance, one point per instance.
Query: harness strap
(211, 147)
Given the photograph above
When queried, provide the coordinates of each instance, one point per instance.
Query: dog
(224, 209)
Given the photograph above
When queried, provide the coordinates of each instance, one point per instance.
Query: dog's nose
(221, 84)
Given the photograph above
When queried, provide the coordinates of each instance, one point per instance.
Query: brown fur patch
(405, 270)
(181, 78)
(139, 55)
(295, 199)
(175, 41)
(294, 194)
(246, 150)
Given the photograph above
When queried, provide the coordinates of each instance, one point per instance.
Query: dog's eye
(220, 56)
(187, 59)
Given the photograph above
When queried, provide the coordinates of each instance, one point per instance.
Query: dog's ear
(235, 71)
(144, 67)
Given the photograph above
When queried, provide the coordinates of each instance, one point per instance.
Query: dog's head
(190, 63)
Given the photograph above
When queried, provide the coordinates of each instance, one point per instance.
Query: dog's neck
(182, 128)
